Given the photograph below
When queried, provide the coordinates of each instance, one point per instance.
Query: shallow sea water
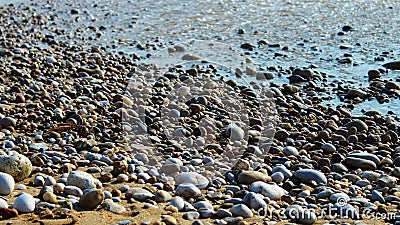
(309, 30)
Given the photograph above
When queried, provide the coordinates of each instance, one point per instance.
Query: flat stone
(359, 163)
(271, 191)
(249, 177)
(308, 175)
(367, 156)
(191, 215)
(8, 122)
(138, 194)
(113, 207)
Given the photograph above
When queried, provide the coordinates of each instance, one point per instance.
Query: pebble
(307, 217)
(20, 187)
(177, 202)
(91, 199)
(206, 213)
(3, 203)
(162, 196)
(386, 181)
(8, 122)
(222, 213)
(290, 150)
(278, 177)
(249, 177)
(241, 210)
(187, 191)
(309, 175)
(377, 196)
(339, 196)
(25, 203)
(359, 124)
(352, 162)
(235, 133)
(73, 190)
(169, 220)
(271, 191)
(191, 215)
(203, 205)
(7, 184)
(170, 169)
(82, 180)
(192, 178)
(109, 205)
(15, 164)
(328, 148)
(50, 197)
(254, 201)
(138, 194)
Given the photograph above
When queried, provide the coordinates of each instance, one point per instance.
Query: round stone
(50, 197)
(278, 177)
(25, 203)
(177, 202)
(139, 194)
(235, 133)
(15, 164)
(6, 184)
(184, 91)
(91, 199)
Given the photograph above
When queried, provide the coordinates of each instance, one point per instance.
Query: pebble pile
(66, 128)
